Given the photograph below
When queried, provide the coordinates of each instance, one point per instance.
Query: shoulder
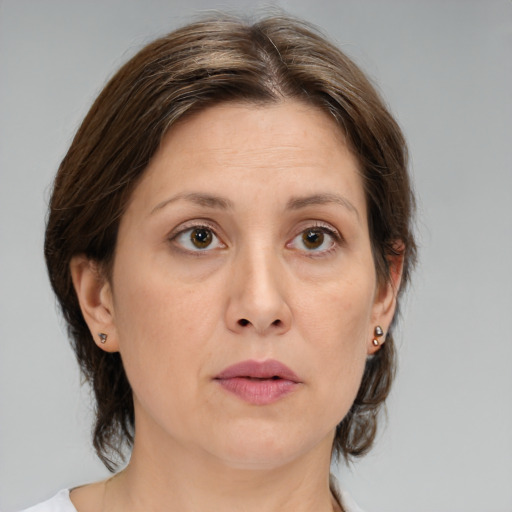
(59, 503)
(349, 505)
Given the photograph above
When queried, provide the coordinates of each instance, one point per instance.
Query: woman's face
(243, 297)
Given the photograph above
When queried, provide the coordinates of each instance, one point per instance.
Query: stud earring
(103, 337)
(378, 333)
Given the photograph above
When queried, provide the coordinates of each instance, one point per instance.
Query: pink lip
(259, 383)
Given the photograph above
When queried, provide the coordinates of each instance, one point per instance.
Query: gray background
(446, 69)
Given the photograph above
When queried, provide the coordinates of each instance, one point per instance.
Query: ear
(95, 297)
(385, 298)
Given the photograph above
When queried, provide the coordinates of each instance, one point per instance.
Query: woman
(228, 237)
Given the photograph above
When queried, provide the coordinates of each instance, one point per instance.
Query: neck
(171, 478)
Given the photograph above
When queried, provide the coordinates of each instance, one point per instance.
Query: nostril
(243, 322)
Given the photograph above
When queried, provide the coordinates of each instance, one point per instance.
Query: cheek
(163, 327)
(152, 300)
(337, 313)
(335, 321)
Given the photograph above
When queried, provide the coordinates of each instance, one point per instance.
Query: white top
(61, 503)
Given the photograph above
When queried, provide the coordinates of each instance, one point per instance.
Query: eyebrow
(221, 203)
(321, 199)
(207, 200)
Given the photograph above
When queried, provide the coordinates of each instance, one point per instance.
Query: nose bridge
(261, 274)
(258, 290)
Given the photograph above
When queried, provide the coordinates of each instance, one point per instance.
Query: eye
(198, 238)
(317, 239)
(313, 238)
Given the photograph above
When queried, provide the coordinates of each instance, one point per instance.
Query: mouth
(259, 383)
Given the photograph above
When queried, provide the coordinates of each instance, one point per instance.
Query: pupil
(313, 239)
(201, 237)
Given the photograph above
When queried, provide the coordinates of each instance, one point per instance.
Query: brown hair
(207, 62)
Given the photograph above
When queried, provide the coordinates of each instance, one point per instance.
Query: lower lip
(258, 391)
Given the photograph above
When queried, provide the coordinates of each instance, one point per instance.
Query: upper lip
(258, 370)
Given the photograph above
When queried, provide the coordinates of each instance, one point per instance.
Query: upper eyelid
(323, 230)
(193, 224)
(323, 226)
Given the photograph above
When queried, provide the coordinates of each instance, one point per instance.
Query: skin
(180, 314)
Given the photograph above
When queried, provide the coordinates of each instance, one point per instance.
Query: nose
(257, 299)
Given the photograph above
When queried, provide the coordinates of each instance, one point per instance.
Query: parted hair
(214, 60)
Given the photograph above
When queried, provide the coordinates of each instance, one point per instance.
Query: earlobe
(95, 297)
(378, 339)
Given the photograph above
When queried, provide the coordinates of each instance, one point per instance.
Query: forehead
(238, 127)
(283, 148)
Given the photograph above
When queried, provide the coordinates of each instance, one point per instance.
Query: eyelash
(317, 227)
(188, 228)
(336, 237)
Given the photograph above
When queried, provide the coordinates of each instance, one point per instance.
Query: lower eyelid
(189, 227)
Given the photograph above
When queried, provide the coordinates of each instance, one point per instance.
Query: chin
(266, 449)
